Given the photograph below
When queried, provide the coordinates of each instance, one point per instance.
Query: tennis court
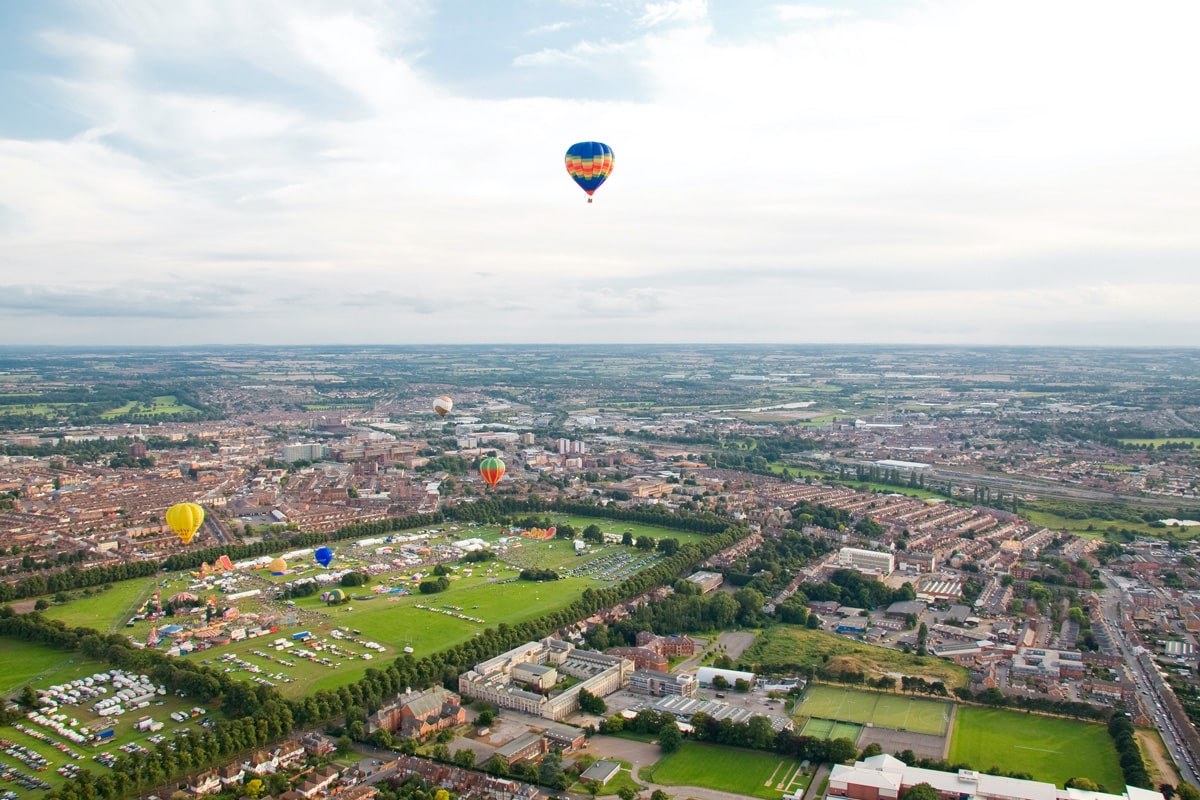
(831, 729)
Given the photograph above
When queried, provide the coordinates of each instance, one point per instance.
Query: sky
(1020, 172)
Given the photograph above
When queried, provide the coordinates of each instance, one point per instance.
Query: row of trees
(1065, 708)
(1120, 728)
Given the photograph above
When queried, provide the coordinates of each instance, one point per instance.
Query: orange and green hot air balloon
(589, 164)
(492, 470)
(185, 519)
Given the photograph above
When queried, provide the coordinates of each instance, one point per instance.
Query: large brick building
(419, 713)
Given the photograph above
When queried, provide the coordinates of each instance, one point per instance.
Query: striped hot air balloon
(492, 470)
(185, 519)
(589, 164)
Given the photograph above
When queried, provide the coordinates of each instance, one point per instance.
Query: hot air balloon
(278, 566)
(589, 164)
(492, 470)
(323, 555)
(185, 519)
(443, 405)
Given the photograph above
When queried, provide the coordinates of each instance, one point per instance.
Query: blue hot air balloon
(589, 163)
(324, 555)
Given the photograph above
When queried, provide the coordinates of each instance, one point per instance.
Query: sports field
(899, 712)
(831, 729)
(1048, 748)
(748, 772)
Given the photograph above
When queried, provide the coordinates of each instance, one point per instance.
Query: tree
(254, 788)
(626, 793)
(659, 794)
(627, 539)
(590, 703)
(669, 737)
(921, 791)
(486, 717)
(873, 749)
(465, 758)
(644, 543)
(1081, 782)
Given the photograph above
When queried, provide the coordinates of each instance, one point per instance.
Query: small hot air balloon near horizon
(323, 556)
(589, 164)
(492, 470)
(185, 519)
(442, 405)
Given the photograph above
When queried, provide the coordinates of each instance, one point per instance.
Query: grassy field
(162, 406)
(747, 772)
(25, 663)
(41, 667)
(785, 645)
(895, 711)
(105, 610)
(490, 593)
(1048, 748)
(1092, 527)
(831, 729)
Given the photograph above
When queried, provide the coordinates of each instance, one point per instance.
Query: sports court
(831, 729)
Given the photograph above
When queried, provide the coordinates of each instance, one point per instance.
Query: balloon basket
(589, 199)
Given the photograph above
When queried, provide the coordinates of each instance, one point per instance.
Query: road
(1174, 727)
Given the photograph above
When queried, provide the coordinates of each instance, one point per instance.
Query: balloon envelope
(277, 566)
(185, 519)
(492, 470)
(324, 555)
(589, 164)
(443, 405)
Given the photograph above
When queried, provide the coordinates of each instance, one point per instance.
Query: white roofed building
(884, 777)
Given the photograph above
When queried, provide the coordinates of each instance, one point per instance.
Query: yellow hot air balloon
(185, 519)
(443, 405)
(277, 566)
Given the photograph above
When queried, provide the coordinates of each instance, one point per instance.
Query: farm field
(898, 712)
(747, 772)
(1048, 748)
(791, 647)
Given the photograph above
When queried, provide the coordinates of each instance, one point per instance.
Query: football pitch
(898, 712)
(1048, 748)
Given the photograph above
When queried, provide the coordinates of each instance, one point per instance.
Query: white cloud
(803, 13)
(958, 171)
(672, 11)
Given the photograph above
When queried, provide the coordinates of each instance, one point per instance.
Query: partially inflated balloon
(277, 566)
(323, 555)
(492, 470)
(185, 519)
(443, 405)
(589, 163)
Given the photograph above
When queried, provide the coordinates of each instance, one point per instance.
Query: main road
(1177, 731)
